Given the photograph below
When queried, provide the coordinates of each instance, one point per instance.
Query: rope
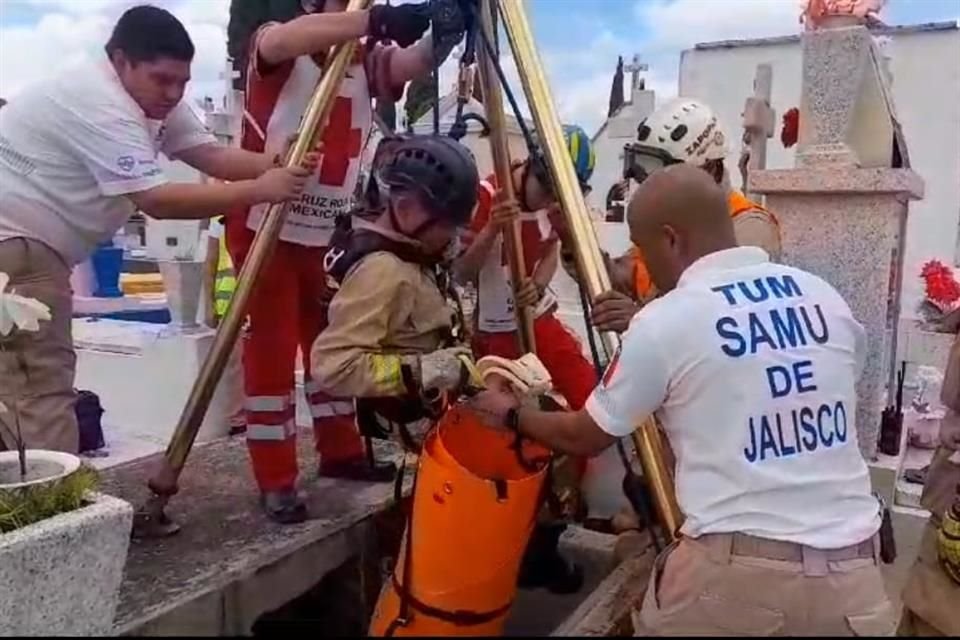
(491, 51)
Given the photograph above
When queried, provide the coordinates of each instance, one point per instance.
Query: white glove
(442, 369)
(527, 375)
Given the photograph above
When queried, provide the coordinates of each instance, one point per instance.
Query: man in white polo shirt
(78, 156)
(750, 367)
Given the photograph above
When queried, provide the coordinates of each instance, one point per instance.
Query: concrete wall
(926, 90)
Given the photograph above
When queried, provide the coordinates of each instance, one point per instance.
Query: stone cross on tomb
(635, 68)
(759, 119)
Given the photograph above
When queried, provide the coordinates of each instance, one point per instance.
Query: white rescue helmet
(685, 130)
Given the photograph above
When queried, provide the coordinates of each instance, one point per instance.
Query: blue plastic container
(107, 263)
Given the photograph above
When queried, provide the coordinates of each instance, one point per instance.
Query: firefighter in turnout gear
(392, 332)
(682, 131)
(285, 62)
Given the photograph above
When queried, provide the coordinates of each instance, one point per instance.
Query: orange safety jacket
(643, 285)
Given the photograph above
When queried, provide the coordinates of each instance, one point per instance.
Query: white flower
(19, 312)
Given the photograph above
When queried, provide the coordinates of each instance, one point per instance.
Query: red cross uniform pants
(559, 350)
(286, 313)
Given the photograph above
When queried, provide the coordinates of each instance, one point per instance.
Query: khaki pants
(704, 587)
(37, 369)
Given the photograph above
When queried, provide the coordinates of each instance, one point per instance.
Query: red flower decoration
(941, 287)
(791, 128)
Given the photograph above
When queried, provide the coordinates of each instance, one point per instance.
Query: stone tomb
(843, 209)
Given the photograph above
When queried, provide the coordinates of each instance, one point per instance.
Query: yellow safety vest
(225, 281)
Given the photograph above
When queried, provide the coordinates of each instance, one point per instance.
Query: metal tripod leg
(586, 246)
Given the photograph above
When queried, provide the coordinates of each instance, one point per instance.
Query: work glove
(404, 24)
(443, 370)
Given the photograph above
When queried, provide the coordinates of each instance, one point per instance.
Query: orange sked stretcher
(475, 502)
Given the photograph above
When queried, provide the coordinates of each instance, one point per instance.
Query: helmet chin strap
(416, 233)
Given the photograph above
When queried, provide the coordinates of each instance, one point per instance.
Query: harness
(348, 247)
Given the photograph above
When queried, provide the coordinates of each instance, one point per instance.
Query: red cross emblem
(341, 143)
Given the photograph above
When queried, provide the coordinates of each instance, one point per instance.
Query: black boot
(543, 566)
(284, 506)
(360, 470)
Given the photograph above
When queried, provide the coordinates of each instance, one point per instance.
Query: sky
(578, 40)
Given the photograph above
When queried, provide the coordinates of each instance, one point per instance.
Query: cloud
(72, 6)
(679, 24)
(69, 32)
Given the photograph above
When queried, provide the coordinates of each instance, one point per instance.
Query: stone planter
(61, 576)
(43, 467)
(182, 281)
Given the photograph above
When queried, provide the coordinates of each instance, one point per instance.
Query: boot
(284, 506)
(359, 470)
(543, 566)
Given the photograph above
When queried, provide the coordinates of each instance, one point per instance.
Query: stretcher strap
(403, 614)
(460, 617)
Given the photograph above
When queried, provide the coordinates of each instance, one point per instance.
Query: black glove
(404, 24)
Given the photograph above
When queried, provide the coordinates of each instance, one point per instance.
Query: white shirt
(71, 148)
(750, 367)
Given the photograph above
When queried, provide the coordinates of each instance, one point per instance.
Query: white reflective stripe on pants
(268, 403)
(271, 432)
(331, 409)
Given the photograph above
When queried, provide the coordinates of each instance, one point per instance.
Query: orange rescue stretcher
(475, 501)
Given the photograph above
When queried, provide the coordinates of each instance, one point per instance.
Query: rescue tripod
(151, 519)
(634, 486)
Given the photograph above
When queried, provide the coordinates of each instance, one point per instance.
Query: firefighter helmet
(685, 130)
(438, 168)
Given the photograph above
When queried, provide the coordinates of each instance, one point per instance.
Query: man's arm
(184, 201)
(169, 201)
(467, 267)
(227, 163)
(634, 386)
(547, 268)
(310, 34)
(413, 62)
(486, 226)
(567, 432)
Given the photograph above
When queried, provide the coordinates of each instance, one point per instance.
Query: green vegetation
(22, 507)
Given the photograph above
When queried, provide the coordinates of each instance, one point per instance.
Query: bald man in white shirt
(750, 367)
(78, 156)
